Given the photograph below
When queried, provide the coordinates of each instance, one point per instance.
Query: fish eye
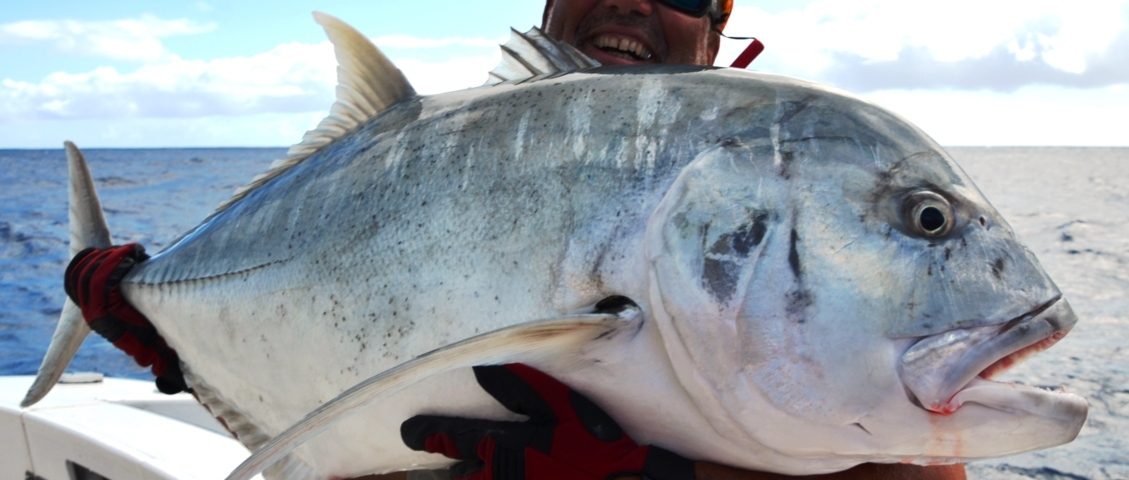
(930, 215)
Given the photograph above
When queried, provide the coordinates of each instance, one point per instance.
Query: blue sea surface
(150, 196)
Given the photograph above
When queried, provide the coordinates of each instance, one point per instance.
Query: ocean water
(150, 196)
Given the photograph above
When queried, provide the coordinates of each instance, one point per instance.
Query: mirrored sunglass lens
(693, 7)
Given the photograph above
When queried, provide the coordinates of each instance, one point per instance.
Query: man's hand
(93, 281)
(567, 437)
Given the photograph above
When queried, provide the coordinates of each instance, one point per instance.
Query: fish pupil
(932, 219)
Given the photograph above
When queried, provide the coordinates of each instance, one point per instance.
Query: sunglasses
(696, 8)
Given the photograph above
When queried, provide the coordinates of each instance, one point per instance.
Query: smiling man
(627, 32)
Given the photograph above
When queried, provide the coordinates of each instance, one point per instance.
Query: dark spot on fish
(750, 236)
(721, 278)
(1066, 237)
(741, 241)
(791, 109)
(998, 268)
(860, 427)
(794, 255)
(948, 253)
(721, 268)
(786, 158)
(927, 326)
(798, 302)
(983, 221)
(929, 271)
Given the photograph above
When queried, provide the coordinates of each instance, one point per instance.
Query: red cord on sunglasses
(749, 54)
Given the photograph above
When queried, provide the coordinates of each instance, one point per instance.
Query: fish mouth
(944, 371)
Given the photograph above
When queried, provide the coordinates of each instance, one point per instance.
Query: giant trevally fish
(743, 268)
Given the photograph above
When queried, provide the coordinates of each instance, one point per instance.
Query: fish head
(838, 290)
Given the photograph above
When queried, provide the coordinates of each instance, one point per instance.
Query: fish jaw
(947, 372)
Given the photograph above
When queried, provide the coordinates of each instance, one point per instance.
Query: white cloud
(289, 78)
(135, 39)
(1033, 115)
(409, 41)
(445, 76)
(827, 40)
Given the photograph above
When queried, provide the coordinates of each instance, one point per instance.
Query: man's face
(627, 32)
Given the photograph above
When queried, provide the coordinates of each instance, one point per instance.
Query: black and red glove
(567, 437)
(93, 281)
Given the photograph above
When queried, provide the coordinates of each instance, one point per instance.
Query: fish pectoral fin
(532, 56)
(88, 229)
(368, 84)
(525, 342)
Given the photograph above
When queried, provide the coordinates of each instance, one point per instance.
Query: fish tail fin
(87, 229)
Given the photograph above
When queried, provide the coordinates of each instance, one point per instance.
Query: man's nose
(641, 7)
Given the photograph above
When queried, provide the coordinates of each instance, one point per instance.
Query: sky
(131, 73)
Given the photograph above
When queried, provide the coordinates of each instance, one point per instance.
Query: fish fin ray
(368, 85)
(87, 229)
(244, 429)
(542, 338)
(533, 56)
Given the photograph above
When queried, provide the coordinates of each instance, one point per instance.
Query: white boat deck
(114, 428)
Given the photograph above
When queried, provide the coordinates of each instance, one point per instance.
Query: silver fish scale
(446, 185)
(447, 217)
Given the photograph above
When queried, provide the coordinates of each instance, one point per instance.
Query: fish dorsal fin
(532, 56)
(367, 84)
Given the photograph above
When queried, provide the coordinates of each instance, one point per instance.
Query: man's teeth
(623, 45)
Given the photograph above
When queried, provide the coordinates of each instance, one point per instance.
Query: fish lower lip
(936, 369)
